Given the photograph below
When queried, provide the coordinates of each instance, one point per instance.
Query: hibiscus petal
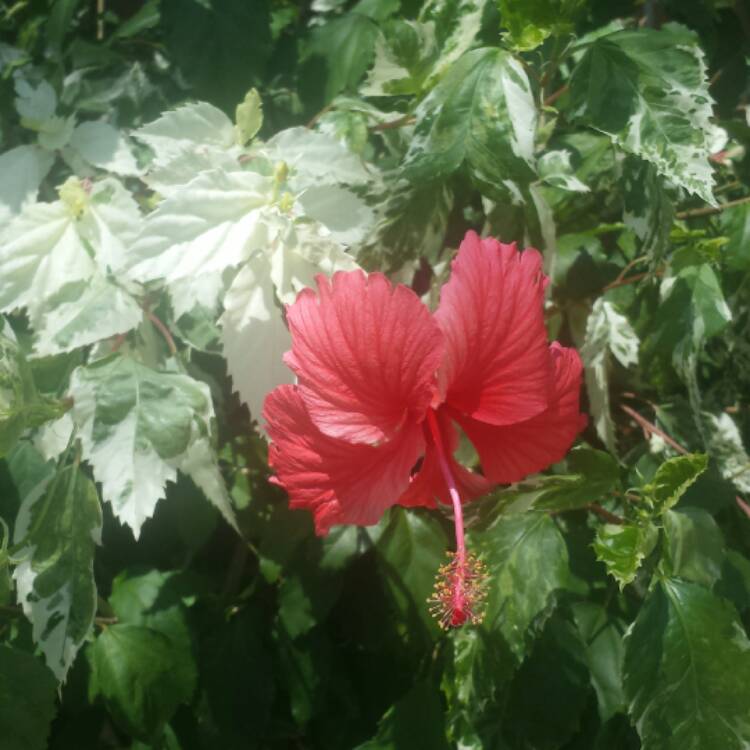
(339, 482)
(496, 367)
(510, 453)
(428, 485)
(365, 355)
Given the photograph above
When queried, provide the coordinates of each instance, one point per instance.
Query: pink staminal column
(460, 585)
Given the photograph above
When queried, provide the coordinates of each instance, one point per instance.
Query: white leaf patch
(186, 141)
(213, 223)
(254, 335)
(55, 259)
(314, 159)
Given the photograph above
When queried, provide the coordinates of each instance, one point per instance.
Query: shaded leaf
(694, 547)
(221, 47)
(28, 693)
(474, 684)
(546, 704)
(415, 722)
(138, 673)
(604, 652)
(410, 546)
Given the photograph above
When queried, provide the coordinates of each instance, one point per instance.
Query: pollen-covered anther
(460, 591)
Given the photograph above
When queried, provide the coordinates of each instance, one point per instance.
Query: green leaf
(648, 91)
(694, 547)
(146, 17)
(607, 334)
(604, 652)
(531, 22)
(457, 27)
(735, 580)
(414, 722)
(735, 224)
(59, 24)
(21, 406)
(692, 309)
(248, 117)
(348, 44)
(238, 678)
(622, 548)
(687, 668)
(404, 56)
(414, 219)
(221, 47)
(157, 600)
(481, 112)
(28, 693)
(138, 427)
(57, 528)
(673, 478)
(311, 584)
(139, 674)
(590, 477)
(528, 563)
(546, 704)
(410, 547)
(473, 682)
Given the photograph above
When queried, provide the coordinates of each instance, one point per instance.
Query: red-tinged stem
(458, 513)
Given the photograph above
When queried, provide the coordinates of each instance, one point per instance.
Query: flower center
(459, 587)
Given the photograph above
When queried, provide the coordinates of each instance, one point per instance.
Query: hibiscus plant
(374, 375)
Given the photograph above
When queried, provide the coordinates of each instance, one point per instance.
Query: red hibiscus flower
(382, 384)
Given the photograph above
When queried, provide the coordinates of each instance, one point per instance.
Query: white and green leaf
(648, 90)
(139, 426)
(57, 529)
(608, 334)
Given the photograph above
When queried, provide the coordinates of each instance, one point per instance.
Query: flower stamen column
(460, 585)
